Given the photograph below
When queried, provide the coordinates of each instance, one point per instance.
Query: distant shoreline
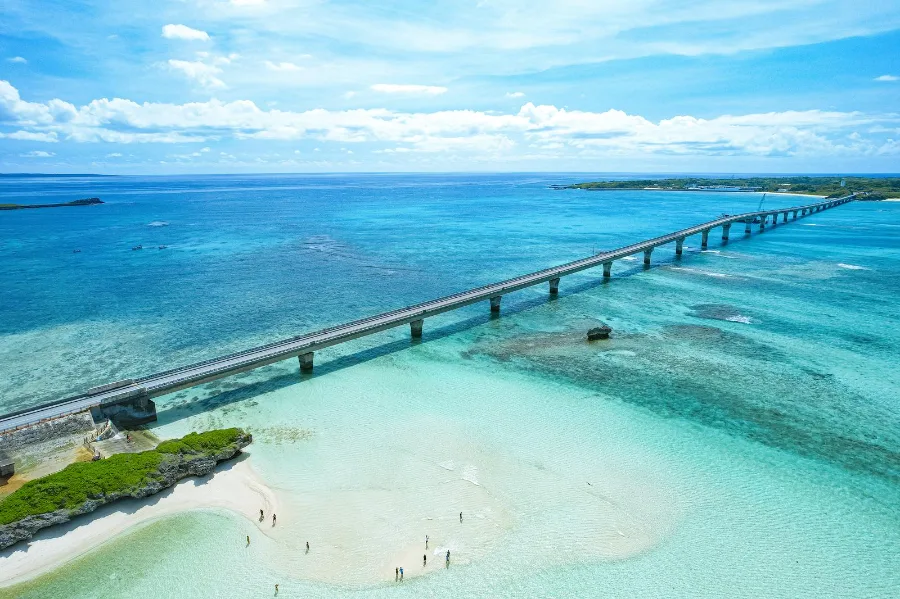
(828, 187)
(83, 202)
(774, 193)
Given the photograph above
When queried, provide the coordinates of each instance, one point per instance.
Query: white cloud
(37, 154)
(393, 88)
(201, 72)
(17, 59)
(282, 66)
(114, 155)
(183, 32)
(348, 95)
(548, 128)
(49, 137)
(248, 2)
(887, 78)
(515, 94)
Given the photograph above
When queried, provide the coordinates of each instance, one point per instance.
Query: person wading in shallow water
(261, 517)
(447, 564)
(401, 574)
(273, 519)
(424, 560)
(460, 517)
(307, 546)
(276, 589)
(248, 540)
(396, 574)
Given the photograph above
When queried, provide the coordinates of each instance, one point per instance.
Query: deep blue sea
(738, 436)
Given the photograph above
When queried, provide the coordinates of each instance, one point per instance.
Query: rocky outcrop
(173, 468)
(601, 332)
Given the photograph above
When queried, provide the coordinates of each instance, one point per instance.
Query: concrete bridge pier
(784, 220)
(725, 229)
(415, 329)
(607, 270)
(704, 239)
(747, 228)
(762, 221)
(647, 256)
(129, 414)
(306, 362)
(794, 215)
(495, 303)
(554, 286)
(679, 246)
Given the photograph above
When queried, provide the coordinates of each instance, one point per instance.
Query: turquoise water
(739, 436)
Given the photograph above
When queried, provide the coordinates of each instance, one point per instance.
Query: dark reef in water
(720, 379)
(82, 202)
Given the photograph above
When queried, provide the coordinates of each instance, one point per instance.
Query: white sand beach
(234, 487)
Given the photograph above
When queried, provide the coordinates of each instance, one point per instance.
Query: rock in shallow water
(601, 332)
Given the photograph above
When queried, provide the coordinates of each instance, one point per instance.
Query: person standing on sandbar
(424, 560)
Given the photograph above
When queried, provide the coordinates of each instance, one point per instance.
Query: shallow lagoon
(739, 433)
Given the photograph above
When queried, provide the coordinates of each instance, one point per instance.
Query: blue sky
(222, 86)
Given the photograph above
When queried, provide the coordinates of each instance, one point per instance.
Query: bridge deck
(195, 374)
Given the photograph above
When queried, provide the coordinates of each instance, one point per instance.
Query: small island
(871, 188)
(82, 487)
(82, 202)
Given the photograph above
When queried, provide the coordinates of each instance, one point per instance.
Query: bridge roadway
(304, 345)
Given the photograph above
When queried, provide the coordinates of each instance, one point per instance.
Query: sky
(238, 86)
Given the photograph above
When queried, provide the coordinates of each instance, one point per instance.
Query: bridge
(137, 394)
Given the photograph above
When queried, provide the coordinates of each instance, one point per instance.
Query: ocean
(738, 436)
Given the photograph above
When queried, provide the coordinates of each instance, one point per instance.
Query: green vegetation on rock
(124, 474)
(874, 187)
(208, 443)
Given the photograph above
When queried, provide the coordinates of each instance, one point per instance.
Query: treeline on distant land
(874, 187)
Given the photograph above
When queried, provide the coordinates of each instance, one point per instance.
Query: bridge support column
(554, 286)
(306, 362)
(415, 329)
(495, 303)
(704, 240)
(647, 256)
(725, 229)
(762, 221)
(747, 228)
(794, 215)
(784, 219)
(128, 414)
(679, 246)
